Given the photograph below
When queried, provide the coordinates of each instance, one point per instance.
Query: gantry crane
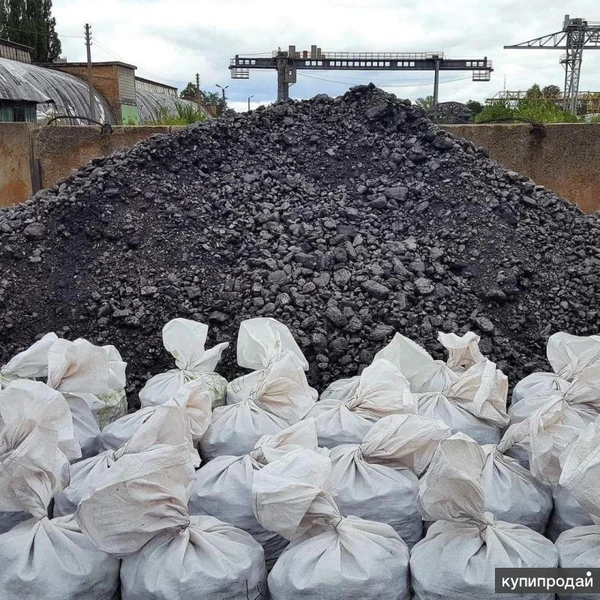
(287, 63)
(576, 35)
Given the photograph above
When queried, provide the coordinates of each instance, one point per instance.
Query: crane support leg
(283, 87)
(436, 83)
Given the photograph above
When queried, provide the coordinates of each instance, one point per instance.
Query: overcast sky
(172, 40)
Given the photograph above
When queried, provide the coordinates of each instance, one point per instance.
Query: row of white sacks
(349, 480)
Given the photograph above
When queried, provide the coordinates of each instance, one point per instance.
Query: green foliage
(207, 98)
(425, 103)
(494, 112)
(186, 114)
(544, 112)
(551, 91)
(189, 91)
(30, 22)
(534, 92)
(536, 106)
(475, 106)
(211, 98)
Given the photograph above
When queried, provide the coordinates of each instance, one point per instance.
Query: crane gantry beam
(576, 35)
(287, 63)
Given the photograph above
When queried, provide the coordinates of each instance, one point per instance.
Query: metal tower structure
(576, 35)
(288, 63)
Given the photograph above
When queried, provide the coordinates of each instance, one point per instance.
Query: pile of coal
(346, 218)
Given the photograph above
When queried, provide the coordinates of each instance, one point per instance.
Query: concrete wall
(62, 149)
(567, 160)
(15, 163)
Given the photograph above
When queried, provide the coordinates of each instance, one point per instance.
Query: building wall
(566, 160)
(15, 163)
(105, 79)
(154, 86)
(12, 53)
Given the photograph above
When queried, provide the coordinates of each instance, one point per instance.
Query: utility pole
(198, 100)
(88, 45)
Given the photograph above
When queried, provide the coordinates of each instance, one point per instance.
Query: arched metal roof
(152, 104)
(55, 92)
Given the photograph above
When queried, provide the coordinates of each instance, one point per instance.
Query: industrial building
(38, 93)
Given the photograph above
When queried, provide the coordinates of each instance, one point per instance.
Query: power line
(118, 57)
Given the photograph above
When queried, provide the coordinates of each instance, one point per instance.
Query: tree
(212, 98)
(534, 92)
(551, 91)
(208, 98)
(475, 106)
(425, 103)
(189, 91)
(31, 23)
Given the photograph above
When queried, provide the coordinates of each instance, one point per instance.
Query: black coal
(348, 219)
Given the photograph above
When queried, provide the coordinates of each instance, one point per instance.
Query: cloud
(172, 40)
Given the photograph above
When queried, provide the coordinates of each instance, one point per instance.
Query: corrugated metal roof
(150, 104)
(57, 92)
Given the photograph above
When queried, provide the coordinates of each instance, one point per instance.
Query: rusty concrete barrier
(59, 150)
(566, 160)
(15, 163)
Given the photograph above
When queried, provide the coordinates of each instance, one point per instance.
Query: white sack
(463, 350)
(164, 426)
(378, 479)
(581, 400)
(568, 355)
(43, 558)
(459, 555)
(184, 340)
(53, 560)
(278, 399)
(474, 403)
(193, 398)
(223, 487)
(567, 513)
(25, 403)
(262, 341)
(416, 364)
(538, 440)
(350, 407)
(539, 384)
(31, 363)
(512, 493)
(138, 511)
(331, 557)
(94, 375)
(580, 547)
(419, 367)
(85, 425)
(208, 559)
